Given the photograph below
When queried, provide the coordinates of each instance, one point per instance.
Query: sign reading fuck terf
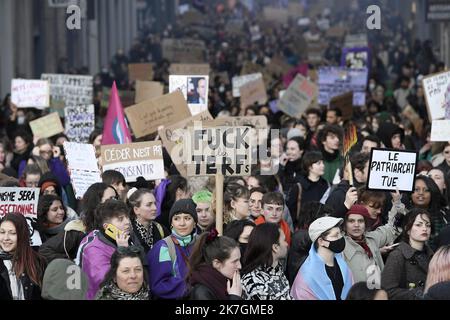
(218, 150)
(143, 159)
(392, 169)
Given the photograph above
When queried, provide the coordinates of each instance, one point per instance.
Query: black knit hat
(184, 206)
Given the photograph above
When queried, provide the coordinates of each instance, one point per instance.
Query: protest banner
(30, 93)
(68, 90)
(82, 166)
(47, 126)
(23, 201)
(343, 102)
(172, 139)
(195, 91)
(256, 122)
(298, 97)
(440, 131)
(391, 169)
(134, 160)
(79, 122)
(437, 95)
(126, 97)
(147, 116)
(334, 81)
(251, 92)
(239, 81)
(277, 15)
(140, 71)
(199, 69)
(356, 58)
(147, 90)
(356, 40)
(184, 50)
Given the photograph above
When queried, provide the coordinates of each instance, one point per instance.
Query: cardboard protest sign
(147, 90)
(143, 159)
(256, 122)
(47, 126)
(437, 95)
(184, 50)
(295, 10)
(251, 92)
(356, 40)
(218, 150)
(147, 116)
(391, 169)
(79, 122)
(252, 68)
(194, 89)
(355, 58)
(82, 165)
(316, 51)
(298, 97)
(334, 81)
(126, 97)
(336, 32)
(172, 139)
(25, 202)
(239, 81)
(70, 90)
(343, 102)
(278, 66)
(440, 131)
(277, 15)
(199, 69)
(30, 93)
(140, 71)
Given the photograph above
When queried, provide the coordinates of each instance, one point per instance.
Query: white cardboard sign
(30, 93)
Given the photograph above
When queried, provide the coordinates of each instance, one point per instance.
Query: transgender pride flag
(115, 129)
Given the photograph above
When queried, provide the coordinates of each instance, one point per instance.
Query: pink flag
(115, 128)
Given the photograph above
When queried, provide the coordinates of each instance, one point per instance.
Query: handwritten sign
(143, 159)
(437, 95)
(391, 169)
(239, 81)
(30, 93)
(191, 68)
(298, 97)
(256, 122)
(356, 40)
(195, 91)
(147, 90)
(79, 122)
(147, 116)
(184, 50)
(251, 92)
(82, 165)
(440, 131)
(47, 126)
(140, 71)
(70, 90)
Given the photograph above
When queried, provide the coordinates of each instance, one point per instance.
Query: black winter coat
(62, 246)
(202, 292)
(31, 291)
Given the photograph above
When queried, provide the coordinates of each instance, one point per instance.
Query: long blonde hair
(439, 267)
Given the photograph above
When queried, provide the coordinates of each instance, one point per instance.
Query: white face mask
(20, 120)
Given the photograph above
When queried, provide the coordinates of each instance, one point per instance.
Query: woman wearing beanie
(168, 261)
(324, 275)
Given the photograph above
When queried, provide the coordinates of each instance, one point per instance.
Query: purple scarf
(160, 193)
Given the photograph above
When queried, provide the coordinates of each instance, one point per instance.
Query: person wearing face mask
(240, 231)
(324, 275)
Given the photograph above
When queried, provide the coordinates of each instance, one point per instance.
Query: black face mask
(337, 246)
(242, 248)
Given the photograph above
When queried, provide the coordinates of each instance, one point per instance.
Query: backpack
(172, 251)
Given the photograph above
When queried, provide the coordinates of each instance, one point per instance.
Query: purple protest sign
(356, 58)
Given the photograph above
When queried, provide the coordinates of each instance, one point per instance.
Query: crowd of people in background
(304, 233)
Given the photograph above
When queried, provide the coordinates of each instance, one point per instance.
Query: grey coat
(405, 272)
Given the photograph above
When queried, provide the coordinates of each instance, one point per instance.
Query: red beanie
(358, 209)
(47, 184)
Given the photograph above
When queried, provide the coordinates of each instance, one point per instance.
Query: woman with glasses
(127, 277)
(324, 275)
(406, 268)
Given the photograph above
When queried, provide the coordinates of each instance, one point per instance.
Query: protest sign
(194, 89)
(356, 40)
(61, 3)
(184, 50)
(23, 201)
(343, 102)
(251, 92)
(336, 32)
(126, 97)
(437, 95)
(224, 151)
(355, 58)
(134, 160)
(391, 169)
(334, 81)
(79, 122)
(239, 81)
(316, 51)
(140, 71)
(440, 131)
(47, 126)
(70, 90)
(82, 165)
(298, 97)
(147, 90)
(252, 68)
(147, 116)
(277, 15)
(199, 69)
(172, 139)
(295, 10)
(256, 122)
(30, 93)
(278, 66)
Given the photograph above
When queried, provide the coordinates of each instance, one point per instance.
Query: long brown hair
(25, 260)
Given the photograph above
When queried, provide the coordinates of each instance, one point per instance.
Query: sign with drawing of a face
(194, 89)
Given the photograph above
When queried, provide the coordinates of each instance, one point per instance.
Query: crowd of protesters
(303, 233)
